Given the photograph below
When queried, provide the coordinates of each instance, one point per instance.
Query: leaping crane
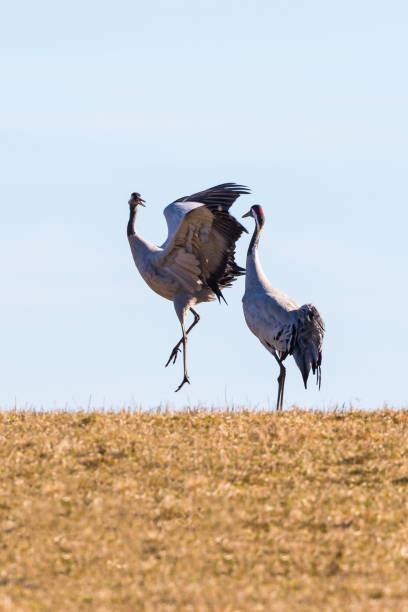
(197, 260)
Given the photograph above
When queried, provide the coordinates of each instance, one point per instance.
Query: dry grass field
(204, 511)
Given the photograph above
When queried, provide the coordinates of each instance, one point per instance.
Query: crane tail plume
(319, 377)
(307, 351)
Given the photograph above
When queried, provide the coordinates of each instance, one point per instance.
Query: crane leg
(281, 382)
(176, 349)
(184, 341)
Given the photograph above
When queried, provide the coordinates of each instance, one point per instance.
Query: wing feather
(200, 225)
(197, 253)
(223, 195)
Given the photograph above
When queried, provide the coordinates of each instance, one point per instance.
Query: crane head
(135, 200)
(256, 212)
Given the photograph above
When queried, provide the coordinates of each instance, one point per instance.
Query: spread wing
(223, 195)
(217, 199)
(200, 252)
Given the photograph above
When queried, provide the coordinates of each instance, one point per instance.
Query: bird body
(197, 260)
(281, 325)
(269, 313)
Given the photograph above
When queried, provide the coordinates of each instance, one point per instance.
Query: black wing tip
(224, 194)
(215, 288)
(241, 189)
(231, 186)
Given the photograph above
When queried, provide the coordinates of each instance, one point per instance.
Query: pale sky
(304, 102)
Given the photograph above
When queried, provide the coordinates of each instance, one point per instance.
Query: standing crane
(197, 260)
(281, 325)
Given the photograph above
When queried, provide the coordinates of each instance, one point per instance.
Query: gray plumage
(197, 259)
(281, 325)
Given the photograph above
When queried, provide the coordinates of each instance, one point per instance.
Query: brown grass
(204, 511)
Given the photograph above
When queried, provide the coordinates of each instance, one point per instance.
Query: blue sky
(305, 102)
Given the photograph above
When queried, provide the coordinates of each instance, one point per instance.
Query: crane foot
(185, 380)
(173, 355)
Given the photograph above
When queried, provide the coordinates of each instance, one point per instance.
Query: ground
(222, 511)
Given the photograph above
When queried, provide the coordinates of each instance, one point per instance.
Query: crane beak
(248, 214)
(138, 201)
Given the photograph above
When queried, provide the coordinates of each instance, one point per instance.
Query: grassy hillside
(204, 511)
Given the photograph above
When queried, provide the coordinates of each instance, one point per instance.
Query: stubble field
(204, 511)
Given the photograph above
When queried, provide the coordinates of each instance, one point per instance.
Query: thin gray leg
(176, 349)
(184, 340)
(281, 382)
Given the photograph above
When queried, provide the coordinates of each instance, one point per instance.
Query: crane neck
(253, 245)
(254, 273)
(142, 250)
(131, 231)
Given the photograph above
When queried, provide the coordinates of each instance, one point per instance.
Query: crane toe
(173, 355)
(185, 380)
